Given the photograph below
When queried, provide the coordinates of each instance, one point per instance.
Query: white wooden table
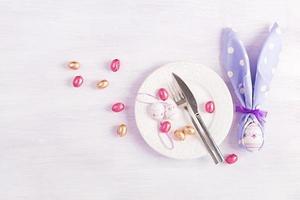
(59, 143)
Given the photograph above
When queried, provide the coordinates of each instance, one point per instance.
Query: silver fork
(181, 101)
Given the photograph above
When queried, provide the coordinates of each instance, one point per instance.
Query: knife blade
(187, 93)
(194, 107)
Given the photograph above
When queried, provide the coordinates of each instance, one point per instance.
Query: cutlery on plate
(180, 101)
(187, 95)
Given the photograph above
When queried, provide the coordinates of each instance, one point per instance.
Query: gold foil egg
(102, 84)
(122, 130)
(74, 65)
(189, 130)
(179, 135)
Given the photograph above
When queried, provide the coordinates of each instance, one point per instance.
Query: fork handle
(216, 161)
(211, 140)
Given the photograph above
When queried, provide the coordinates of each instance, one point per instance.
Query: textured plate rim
(183, 63)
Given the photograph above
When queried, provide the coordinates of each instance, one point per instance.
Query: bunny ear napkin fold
(250, 93)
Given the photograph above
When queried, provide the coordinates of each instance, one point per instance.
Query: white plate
(206, 85)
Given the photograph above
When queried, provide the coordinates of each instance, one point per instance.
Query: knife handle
(211, 140)
(216, 161)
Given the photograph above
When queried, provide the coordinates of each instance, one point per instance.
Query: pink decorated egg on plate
(210, 107)
(163, 94)
(165, 126)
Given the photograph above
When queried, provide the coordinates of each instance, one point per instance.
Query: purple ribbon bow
(259, 114)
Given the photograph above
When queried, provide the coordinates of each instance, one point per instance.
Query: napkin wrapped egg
(251, 86)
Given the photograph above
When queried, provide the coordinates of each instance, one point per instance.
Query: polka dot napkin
(251, 93)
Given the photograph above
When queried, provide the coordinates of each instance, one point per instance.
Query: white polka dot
(230, 26)
(248, 73)
(265, 60)
(242, 90)
(278, 31)
(242, 62)
(230, 50)
(230, 74)
(270, 27)
(266, 94)
(263, 88)
(271, 46)
(280, 56)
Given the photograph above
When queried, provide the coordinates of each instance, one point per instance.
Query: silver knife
(194, 108)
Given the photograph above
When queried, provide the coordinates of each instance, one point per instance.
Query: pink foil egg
(210, 107)
(163, 94)
(231, 158)
(118, 107)
(77, 81)
(115, 65)
(165, 126)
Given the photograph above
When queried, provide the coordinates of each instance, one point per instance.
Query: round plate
(206, 85)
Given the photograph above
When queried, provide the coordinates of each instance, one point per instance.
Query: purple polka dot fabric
(235, 60)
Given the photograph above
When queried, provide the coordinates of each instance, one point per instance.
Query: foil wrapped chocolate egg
(165, 126)
(122, 130)
(115, 65)
(102, 84)
(232, 158)
(74, 65)
(210, 107)
(77, 81)
(118, 107)
(189, 130)
(163, 94)
(179, 135)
